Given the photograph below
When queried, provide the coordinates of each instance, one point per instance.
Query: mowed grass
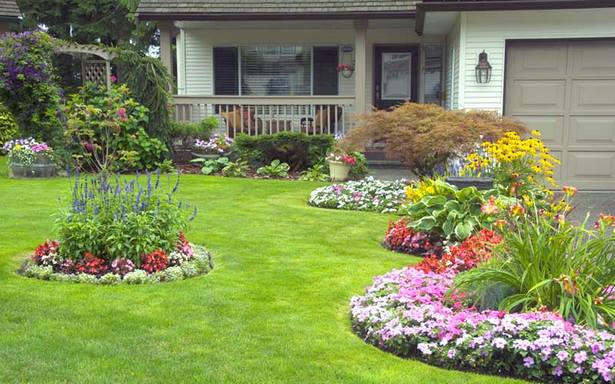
(274, 309)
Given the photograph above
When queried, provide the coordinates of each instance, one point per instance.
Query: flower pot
(338, 170)
(481, 183)
(33, 170)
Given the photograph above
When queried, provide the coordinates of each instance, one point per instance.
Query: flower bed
(413, 313)
(368, 194)
(187, 260)
(119, 230)
(401, 238)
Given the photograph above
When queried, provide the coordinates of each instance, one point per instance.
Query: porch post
(360, 66)
(166, 50)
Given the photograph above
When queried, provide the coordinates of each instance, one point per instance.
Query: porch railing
(257, 115)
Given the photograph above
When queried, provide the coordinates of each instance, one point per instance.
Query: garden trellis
(95, 62)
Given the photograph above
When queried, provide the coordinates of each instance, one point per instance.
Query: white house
(266, 66)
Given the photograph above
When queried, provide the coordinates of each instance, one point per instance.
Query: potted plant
(29, 158)
(216, 146)
(346, 70)
(340, 164)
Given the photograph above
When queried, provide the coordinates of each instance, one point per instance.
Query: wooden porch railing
(258, 115)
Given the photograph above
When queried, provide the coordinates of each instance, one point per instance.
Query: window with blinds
(276, 70)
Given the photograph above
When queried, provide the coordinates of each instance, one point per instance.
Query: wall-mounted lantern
(483, 69)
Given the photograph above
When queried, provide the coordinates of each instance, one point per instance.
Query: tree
(108, 22)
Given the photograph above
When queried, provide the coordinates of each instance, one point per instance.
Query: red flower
(350, 160)
(91, 264)
(47, 248)
(467, 255)
(154, 261)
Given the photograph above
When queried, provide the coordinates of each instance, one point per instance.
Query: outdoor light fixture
(483, 69)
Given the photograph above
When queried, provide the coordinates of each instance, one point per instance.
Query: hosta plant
(453, 213)
(211, 166)
(275, 169)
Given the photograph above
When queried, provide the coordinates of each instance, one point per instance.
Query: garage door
(566, 90)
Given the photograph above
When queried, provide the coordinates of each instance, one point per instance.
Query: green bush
(105, 131)
(8, 126)
(28, 84)
(114, 218)
(545, 262)
(298, 150)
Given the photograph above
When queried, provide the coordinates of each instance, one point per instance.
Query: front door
(395, 75)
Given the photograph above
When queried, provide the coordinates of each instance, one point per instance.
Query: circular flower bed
(413, 313)
(368, 194)
(186, 260)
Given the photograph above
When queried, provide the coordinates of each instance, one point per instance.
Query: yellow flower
(569, 191)
(536, 133)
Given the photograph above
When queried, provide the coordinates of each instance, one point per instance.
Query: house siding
(489, 31)
(452, 67)
(195, 58)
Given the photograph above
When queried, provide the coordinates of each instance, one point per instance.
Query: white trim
(462, 59)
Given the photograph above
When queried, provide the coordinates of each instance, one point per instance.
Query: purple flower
(580, 357)
(528, 362)
(562, 355)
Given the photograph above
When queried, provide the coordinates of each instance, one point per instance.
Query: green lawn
(274, 309)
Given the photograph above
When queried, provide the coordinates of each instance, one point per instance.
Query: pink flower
(121, 112)
(113, 79)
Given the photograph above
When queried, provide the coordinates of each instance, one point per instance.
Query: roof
(212, 9)
(8, 9)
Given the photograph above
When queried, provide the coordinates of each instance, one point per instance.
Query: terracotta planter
(338, 170)
(32, 170)
(481, 183)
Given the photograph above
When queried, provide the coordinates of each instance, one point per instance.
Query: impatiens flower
(580, 357)
(562, 355)
(528, 362)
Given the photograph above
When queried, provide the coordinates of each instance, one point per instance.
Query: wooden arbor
(95, 61)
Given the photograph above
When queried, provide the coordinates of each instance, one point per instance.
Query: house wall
(490, 30)
(196, 41)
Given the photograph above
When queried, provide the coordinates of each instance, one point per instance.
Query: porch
(267, 76)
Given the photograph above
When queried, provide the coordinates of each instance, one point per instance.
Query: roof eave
(512, 5)
(274, 16)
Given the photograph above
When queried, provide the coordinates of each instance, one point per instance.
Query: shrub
(298, 150)
(105, 131)
(424, 136)
(8, 126)
(547, 262)
(275, 169)
(121, 219)
(28, 86)
(188, 132)
(149, 80)
(368, 194)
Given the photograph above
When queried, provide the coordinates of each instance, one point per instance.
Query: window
(276, 70)
(432, 68)
(226, 73)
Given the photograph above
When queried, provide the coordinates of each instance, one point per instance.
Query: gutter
(502, 5)
(275, 16)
